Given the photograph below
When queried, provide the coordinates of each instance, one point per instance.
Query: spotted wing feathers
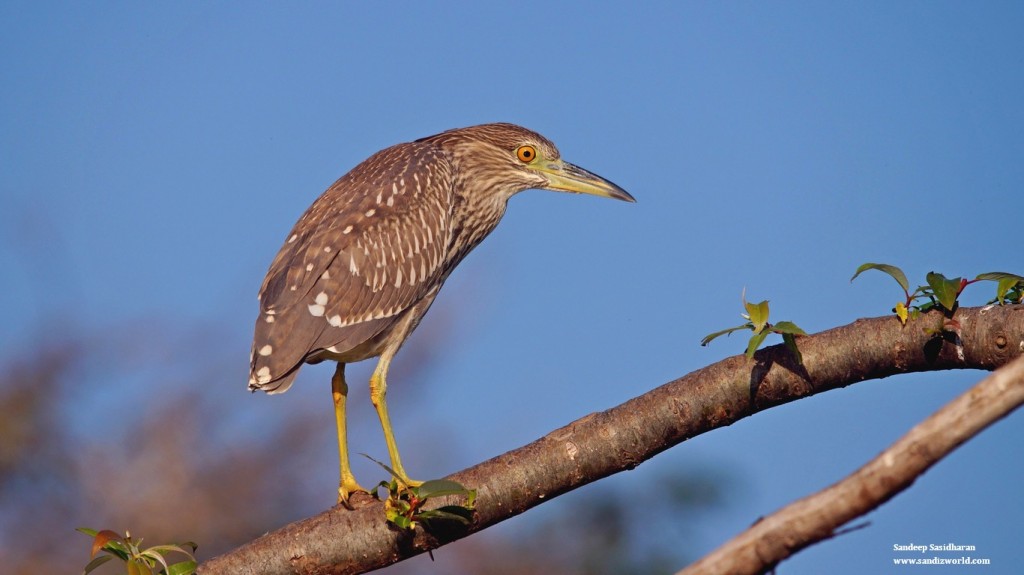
(368, 249)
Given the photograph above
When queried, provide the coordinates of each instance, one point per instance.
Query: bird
(363, 264)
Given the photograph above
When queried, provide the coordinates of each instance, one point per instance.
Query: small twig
(850, 529)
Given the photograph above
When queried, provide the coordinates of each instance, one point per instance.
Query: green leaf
(386, 468)
(401, 521)
(440, 488)
(183, 568)
(1000, 276)
(1003, 289)
(896, 273)
(399, 505)
(394, 475)
(755, 342)
(707, 339)
(118, 548)
(447, 513)
(96, 562)
(945, 290)
(787, 327)
(156, 556)
(757, 313)
(171, 548)
(136, 567)
(464, 512)
(790, 340)
(1006, 282)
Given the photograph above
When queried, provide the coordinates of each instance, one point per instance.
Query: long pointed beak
(566, 177)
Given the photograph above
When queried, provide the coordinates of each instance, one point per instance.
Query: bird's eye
(526, 154)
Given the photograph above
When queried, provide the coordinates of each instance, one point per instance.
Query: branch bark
(815, 518)
(600, 444)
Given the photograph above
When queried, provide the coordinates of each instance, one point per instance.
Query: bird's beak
(566, 177)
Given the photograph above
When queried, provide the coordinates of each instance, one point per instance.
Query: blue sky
(155, 157)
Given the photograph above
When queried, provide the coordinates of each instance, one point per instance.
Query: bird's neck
(477, 211)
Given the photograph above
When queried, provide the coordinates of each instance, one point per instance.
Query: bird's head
(513, 158)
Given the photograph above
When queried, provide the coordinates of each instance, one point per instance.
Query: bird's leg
(339, 389)
(378, 389)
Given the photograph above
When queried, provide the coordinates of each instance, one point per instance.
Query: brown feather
(364, 293)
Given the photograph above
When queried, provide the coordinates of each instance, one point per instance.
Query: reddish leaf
(101, 540)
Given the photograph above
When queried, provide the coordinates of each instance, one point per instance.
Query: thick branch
(600, 444)
(814, 518)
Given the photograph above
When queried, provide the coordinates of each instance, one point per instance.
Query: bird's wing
(369, 248)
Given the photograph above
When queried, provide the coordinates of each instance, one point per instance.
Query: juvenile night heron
(363, 264)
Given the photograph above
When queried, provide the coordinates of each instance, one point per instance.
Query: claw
(345, 491)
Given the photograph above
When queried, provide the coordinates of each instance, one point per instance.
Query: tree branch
(600, 444)
(815, 518)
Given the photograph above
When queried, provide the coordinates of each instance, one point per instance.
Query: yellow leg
(339, 389)
(378, 389)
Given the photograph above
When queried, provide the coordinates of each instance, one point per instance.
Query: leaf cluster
(943, 293)
(138, 561)
(404, 506)
(757, 322)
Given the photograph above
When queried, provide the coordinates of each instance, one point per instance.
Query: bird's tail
(261, 378)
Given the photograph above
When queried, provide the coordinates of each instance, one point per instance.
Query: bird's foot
(347, 489)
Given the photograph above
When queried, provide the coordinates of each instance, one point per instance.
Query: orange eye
(526, 154)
